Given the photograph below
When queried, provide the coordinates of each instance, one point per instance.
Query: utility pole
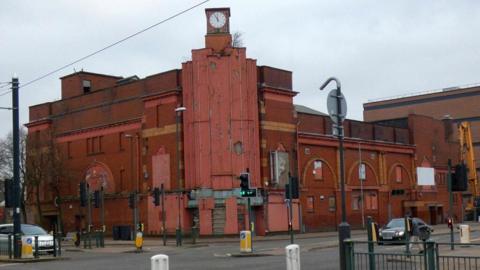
(16, 171)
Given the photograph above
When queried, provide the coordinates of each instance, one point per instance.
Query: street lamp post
(16, 171)
(134, 178)
(343, 227)
(178, 231)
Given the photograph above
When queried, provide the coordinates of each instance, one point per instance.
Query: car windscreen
(33, 230)
(396, 223)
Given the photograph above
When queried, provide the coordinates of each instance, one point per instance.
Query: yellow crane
(467, 156)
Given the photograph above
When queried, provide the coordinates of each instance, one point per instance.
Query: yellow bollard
(139, 240)
(27, 249)
(245, 241)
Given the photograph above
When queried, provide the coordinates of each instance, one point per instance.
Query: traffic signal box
(97, 200)
(295, 193)
(245, 190)
(83, 194)
(459, 178)
(9, 198)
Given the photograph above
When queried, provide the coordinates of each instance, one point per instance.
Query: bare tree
(6, 162)
(44, 173)
(237, 39)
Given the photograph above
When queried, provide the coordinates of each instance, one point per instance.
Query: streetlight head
(328, 81)
(180, 109)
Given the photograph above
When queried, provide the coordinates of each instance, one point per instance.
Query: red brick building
(423, 114)
(120, 134)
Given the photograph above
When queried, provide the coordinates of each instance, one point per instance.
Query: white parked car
(45, 240)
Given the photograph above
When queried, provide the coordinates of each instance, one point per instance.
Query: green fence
(367, 255)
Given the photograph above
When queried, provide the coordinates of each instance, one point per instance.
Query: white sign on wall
(362, 175)
(425, 176)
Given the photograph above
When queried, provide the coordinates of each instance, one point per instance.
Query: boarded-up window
(318, 170)
(398, 174)
(356, 200)
(331, 204)
(371, 200)
(310, 204)
(161, 170)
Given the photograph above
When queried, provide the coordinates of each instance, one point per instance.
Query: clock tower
(218, 29)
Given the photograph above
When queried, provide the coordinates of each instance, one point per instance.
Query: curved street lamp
(343, 227)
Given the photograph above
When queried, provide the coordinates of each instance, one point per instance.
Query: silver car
(45, 240)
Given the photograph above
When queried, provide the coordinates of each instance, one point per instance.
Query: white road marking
(9, 264)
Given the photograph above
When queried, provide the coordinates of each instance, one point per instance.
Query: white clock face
(217, 19)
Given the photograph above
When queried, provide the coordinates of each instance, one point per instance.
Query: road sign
(332, 106)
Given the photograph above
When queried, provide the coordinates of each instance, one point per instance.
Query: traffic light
(245, 190)
(83, 194)
(450, 223)
(459, 178)
(156, 196)
(244, 183)
(8, 192)
(96, 199)
(131, 200)
(295, 193)
(294, 181)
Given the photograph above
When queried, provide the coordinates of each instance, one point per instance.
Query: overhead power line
(109, 46)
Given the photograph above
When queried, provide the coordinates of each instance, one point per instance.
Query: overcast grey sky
(376, 48)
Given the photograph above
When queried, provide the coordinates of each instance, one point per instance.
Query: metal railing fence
(362, 255)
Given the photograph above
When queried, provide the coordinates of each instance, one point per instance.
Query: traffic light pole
(89, 225)
(164, 229)
(102, 215)
(16, 171)
(135, 215)
(450, 202)
(290, 214)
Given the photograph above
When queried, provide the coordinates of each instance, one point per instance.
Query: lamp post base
(343, 233)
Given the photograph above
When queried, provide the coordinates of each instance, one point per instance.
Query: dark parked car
(395, 230)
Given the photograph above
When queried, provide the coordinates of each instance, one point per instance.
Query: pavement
(151, 244)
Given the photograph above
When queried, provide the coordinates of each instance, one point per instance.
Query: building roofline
(279, 69)
(424, 94)
(91, 73)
